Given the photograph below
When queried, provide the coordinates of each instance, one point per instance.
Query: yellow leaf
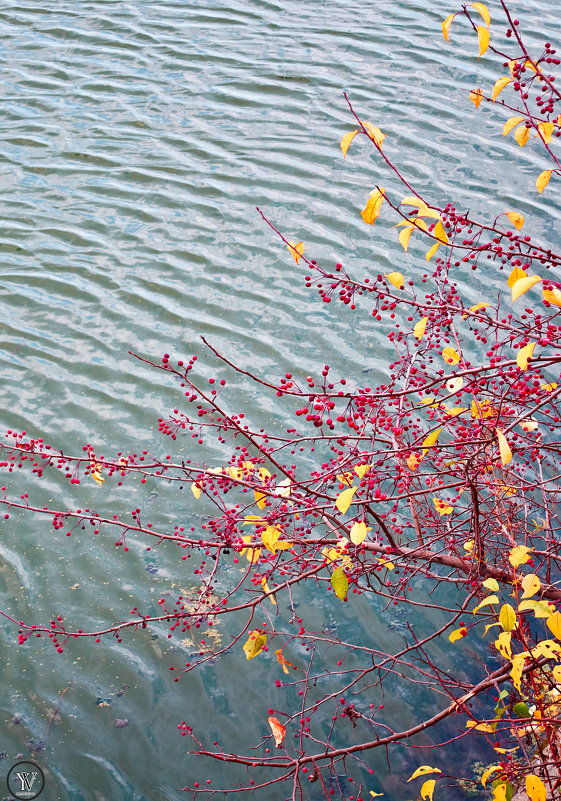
(549, 649)
(296, 250)
(482, 409)
(358, 532)
(451, 356)
(405, 236)
(431, 438)
(254, 644)
(440, 233)
(483, 37)
(535, 788)
(507, 617)
(371, 211)
(344, 499)
(374, 133)
(499, 792)
(543, 180)
(484, 727)
(523, 285)
(442, 507)
(476, 97)
(396, 279)
(196, 490)
(266, 589)
(504, 447)
(491, 599)
(453, 385)
(524, 355)
(97, 477)
(530, 584)
(489, 772)
(251, 554)
(516, 219)
(498, 88)
(516, 671)
(491, 584)
(511, 123)
(549, 387)
(278, 730)
(260, 499)
(375, 795)
(519, 555)
(428, 789)
(414, 461)
(446, 27)
(412, 200)
(361, 469)
(515, 276)
(457, 634)
(502, 644)
(529, 424)
(546, 130)
(554, 624)
(484, 11)
(539, 608)
(422, 771)
(270, 536)
(476, 308)
(346, 141)
(552, 296)
(522, 134)
(420, 328)
(430, 253)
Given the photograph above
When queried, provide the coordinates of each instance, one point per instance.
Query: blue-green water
(136, 140)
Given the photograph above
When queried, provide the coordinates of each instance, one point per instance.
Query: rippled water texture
(136, 140)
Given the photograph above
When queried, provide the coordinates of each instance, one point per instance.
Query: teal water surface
(136, 140)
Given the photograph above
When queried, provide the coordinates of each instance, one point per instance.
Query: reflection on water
(136, 140)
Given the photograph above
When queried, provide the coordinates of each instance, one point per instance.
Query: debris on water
(120, 723)
(151, 568)
(122, 691)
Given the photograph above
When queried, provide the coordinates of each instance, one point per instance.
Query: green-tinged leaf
(340, 583)
(358, 532)
(491, 584)
(254, 644)
(507, 617)
(539, 608)
(521, 710)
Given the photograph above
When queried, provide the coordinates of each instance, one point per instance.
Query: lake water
(136, 140)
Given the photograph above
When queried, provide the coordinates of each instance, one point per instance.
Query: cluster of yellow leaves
(417, 221)
(427, 789)
(373, 132)
(95, 472)
(482, 31)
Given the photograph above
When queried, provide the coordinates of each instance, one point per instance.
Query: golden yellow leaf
(405, 236)
(396, 279)
(482, 409)
(270, 537)
(431, 438)
(440, 233)
(476, 97)
(515, 276)
(414, 461)
(516, 219)
(486, 728)
(484, 11)
(549, 387)
(491, 599)
(358, 532)
(375, 795)
(442, 507)
(543, 180)
(420, 328)
(412, 200)
(554, 624)
(499, 792)
(423, 771)
(519, 555)
(502, 644)
(535, 788)
(374, 133)
(507, 617)
(371, 211)
(451, 356)
(361, 469)
(446, 27)
(346, 141)
(278, 730)
(516, 671)
(251, 554)
(97, 477)
(549, 649)
(260, 499)
(266, 589)
(511, 123)
(344, 499)
(530, 584)
(523, 285)
(457, 634)
(428, 789)
(483, 38)
(552, 296)
(296, 250)
(254, 644)
(196, 490)
(504, 447)
(476, 308)
(430, 253)
(499, 86)
(468, 546)
(522, 134)
(524, 355)
(489, 772)
(546, 130)
(491, 584)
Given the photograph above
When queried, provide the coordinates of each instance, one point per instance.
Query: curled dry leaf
(278, 730)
